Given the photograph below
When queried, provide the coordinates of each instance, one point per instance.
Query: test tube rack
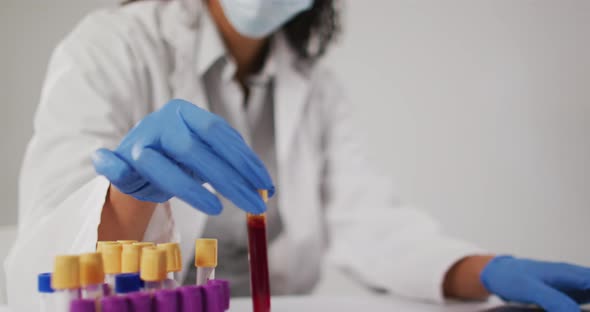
(212, 297)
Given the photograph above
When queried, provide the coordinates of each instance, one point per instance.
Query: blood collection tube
(144, 244)
(153, 268)
(111, 259)
(83, 305)
(65, 280)
(115, 304)
(127, 241)
(205, 259)
(46, 300)
(99, 244)
(173, 263)
(126, 283)
(91, 275)
(130, 258)
(257, 248)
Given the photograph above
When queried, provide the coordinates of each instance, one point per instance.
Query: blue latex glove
(176, 149)
(556, 287)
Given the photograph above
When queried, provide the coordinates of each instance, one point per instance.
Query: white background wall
(479, 109)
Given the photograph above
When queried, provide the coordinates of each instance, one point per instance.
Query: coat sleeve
(91, 97)
(379, 240)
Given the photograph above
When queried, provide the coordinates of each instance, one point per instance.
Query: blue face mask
(260, 18)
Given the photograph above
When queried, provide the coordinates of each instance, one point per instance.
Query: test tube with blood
(257, 248)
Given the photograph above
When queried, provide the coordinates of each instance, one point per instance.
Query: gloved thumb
(551, 299)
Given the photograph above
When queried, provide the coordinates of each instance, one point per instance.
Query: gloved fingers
(227, 143)
(551, 299)
(167, 176)
(567, 276)
(187, 149)
(152, 194)
(242, 160)
(118, 172)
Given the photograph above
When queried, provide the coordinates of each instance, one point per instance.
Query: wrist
(463, 279)
(123, 216)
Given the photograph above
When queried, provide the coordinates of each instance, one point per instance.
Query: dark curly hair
(311, 32)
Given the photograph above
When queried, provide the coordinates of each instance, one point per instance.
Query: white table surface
(356, 304)
(345, 304)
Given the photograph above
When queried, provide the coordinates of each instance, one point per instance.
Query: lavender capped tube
(191, 298)
(140, 302)
(225, 292)
(166, 300)
(212, 298)
(83, 305)
(115, 304)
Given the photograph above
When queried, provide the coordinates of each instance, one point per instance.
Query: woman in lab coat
(249, 67)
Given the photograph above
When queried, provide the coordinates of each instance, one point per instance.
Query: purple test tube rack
(115, 304)
(191, 298)
(212, 297)
(140, 302)
(83, 305)
(166, 300)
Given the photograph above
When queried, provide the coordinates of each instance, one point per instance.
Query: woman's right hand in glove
(172, 152)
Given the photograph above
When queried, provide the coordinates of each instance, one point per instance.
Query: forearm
(124, 217)
(462, 281)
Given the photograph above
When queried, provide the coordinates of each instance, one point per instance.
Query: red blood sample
(259, 282)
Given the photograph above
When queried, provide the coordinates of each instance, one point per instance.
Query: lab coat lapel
(291, 99)
(291, 89)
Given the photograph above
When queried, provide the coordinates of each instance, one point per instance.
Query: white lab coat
(119, 65)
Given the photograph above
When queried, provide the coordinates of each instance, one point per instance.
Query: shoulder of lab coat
(96, 89)
(384, 243)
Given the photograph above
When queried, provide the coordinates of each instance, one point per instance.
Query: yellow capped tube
(127, 241)
(111, 260)
(91, 275)
(130, 257)
(144, 244)
(173, 262)
(205, 259)
(65, 279)
(153, 267)
(173, 258)
(66, 272)
(99, 244)
(264, 195)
